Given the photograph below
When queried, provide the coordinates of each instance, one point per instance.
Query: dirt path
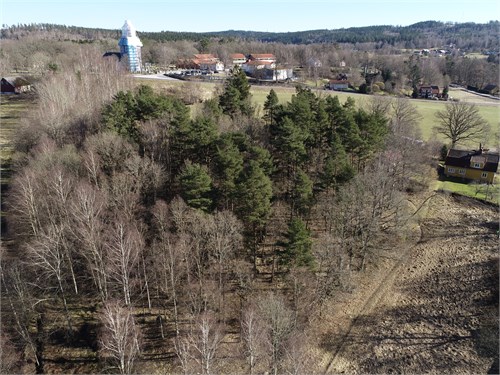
(435, 309)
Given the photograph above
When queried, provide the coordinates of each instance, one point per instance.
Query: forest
(428, 34)
(147, 233)
(215, 224)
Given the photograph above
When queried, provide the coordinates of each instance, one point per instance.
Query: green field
(490, 193)
(488, 108)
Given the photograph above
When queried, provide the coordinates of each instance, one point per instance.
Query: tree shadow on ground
(445, 322)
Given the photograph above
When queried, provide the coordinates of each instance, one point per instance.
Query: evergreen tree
(236, 98)
(121, 116)
(320, 125)
(196, 186)
(254, 193)
(254, 204)
(298, 246)
(201, 139)
(289, 143)
(270, 107)
(300, 111)
(337, 169)
(149, 104)
(228, 166)
(373, 128)
(302, 193)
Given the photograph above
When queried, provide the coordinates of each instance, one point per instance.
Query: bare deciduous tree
(124, 246)
(46, 253)
(25, 203)
(170, 254)
(119, 337)
(22, 305)
(460, 122)
(224, 240)
(202, 343)
(252, 332)
(278, 324)
(88, 208)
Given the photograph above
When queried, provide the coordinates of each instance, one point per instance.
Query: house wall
(469, 174)
(339, 86)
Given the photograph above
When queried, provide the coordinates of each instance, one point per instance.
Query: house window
(484, 174)
(451, 170)
(461, 171)
(477, 165)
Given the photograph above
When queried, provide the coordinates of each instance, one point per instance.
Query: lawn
(490, 193)
(488, 108)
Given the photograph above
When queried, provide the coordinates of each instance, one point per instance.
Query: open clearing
(433, 311)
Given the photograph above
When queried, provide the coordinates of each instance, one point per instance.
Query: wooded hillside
(430, 34)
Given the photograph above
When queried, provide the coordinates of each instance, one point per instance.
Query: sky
(254, 15)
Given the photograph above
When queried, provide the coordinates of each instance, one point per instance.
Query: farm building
(429, 92)
(15, 85)
(238, 59)
(338, 84)
(262, 57)
(476, 165)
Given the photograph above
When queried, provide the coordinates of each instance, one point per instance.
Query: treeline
(430, 34)
(171, 229)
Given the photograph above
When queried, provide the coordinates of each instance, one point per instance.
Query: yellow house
(477, 165)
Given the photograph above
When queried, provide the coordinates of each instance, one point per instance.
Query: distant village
(259, 68)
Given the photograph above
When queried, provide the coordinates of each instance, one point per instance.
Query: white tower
(130, 47)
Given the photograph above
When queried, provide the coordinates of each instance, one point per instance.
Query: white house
(238, 59)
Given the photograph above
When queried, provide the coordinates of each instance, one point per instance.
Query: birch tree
(120, 337)
(124, 247)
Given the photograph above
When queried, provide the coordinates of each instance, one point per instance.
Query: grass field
(490, 193)
(11, 109)
(488, 108)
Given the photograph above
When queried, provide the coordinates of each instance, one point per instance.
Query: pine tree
(228, 166)
(196, 186)
(270, 107)
(121, 116)
(298, 246)
(255, 193)
(236, 98)
(302, 193)
(289, 143)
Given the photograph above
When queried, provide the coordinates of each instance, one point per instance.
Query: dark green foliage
(297, 252)
(121, 115)
(228, 167)
(235, 100)
(127, 110)
(373, 128)
(211, 109)
(196, 186)
(149, 104)
(254, 196)
(302, 193)
(337, 169)
(290, 142)
(263, 159)
(270, 107)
